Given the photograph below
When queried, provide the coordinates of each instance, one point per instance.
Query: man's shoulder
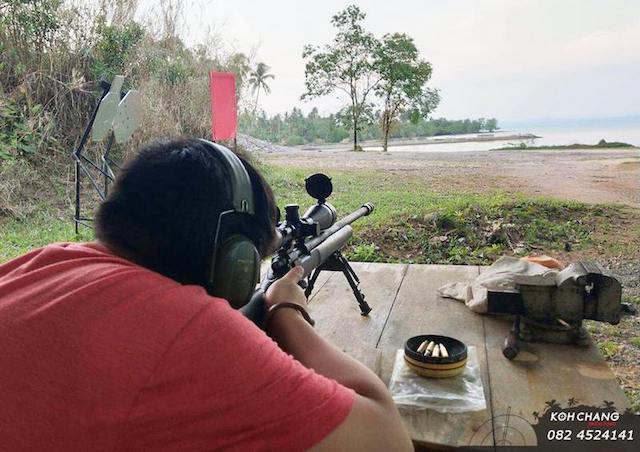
(73, 272)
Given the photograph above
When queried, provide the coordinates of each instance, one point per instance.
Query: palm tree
(258, 80)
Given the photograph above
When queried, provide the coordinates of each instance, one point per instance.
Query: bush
(294, 140)
(365, 253)
(114, 47)
(52, 54)
(23, 129)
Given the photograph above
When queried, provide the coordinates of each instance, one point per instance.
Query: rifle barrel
(363, 211)
(323, 251)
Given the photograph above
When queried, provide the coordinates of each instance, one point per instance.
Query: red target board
(224, 116)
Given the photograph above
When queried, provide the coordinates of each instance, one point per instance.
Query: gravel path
(628, 273)
(251, 144)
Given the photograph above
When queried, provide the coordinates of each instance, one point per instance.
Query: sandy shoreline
(419, 141)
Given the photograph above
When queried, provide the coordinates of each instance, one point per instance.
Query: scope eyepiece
(292, 213)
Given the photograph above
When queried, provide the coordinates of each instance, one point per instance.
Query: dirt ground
(593, 176)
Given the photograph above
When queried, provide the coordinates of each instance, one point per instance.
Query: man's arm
(374, 422)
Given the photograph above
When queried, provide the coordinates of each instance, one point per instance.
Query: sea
(549, 136)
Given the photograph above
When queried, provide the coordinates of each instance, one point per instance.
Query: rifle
(312, 241)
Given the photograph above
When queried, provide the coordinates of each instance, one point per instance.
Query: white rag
(503, 275)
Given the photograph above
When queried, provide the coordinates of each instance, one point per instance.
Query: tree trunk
(355, 132)
(255, 108)
(386, 121)
(385, 141)
(385, 130)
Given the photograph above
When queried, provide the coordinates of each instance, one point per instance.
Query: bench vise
(583, 290)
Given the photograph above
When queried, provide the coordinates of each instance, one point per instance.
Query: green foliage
(238, 63)
(114, 46)
(20, 134)
(34, 21)
(478, 230)
(411, 223)
(52, 53)
(294, 140)
(366, 252)
(402, 84)
(608, 348)
(22, 236)
(345, 65)
(491, 124)
(33, 25)
(258, 80)
(631, 298)
(602, 144)
(313, 128)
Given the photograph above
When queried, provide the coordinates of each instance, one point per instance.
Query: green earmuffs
(235, 263)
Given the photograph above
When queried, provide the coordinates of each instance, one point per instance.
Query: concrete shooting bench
(405, 304)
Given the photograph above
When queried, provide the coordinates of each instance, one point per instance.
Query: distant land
(566, 123)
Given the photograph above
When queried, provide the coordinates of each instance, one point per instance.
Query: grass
(620, 346)
(413, 224)
(601, 145)
(18, 236)
(608, 349)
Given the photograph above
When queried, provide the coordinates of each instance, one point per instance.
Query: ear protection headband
(235, 263)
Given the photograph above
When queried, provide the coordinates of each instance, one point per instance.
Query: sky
(491, 58)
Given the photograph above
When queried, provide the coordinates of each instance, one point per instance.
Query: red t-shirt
(97, 353)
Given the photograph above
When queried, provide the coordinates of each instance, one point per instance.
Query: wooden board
(336, 311)
(419, 310)
(405, 304)
(542, 373)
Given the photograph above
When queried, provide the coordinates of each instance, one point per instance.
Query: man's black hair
(163, 209)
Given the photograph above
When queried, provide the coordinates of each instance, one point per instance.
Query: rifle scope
(299, 236)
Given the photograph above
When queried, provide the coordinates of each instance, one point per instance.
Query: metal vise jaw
(583, 290)
(586, 291)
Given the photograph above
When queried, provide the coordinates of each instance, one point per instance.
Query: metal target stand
(117, 114)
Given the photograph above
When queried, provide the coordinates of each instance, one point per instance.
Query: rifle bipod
(338, 263)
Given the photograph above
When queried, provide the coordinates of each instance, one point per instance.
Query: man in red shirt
(119, 345)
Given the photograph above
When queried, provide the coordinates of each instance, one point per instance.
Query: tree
(345, 65)
(402, 86)
(258, 80)
(491, 124)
